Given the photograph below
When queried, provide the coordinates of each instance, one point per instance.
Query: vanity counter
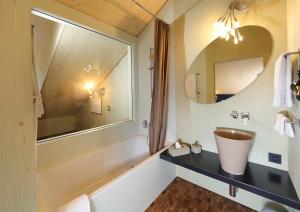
(271, 183)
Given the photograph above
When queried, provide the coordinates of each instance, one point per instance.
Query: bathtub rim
(86, 154)
(116, 179)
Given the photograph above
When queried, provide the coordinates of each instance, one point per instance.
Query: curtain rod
(142, 7)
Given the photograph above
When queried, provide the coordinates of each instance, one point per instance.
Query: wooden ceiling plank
(125, 15)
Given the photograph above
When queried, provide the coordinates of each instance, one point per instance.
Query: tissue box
(184, 150)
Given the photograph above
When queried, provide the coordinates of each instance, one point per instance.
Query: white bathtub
(121, 177)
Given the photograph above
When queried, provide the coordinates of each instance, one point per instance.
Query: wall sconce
(227, 25)
(93, 91)
(90, 87)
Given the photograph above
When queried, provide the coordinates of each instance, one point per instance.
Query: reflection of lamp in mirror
(90, 86)
(93, 91)
(227, 25)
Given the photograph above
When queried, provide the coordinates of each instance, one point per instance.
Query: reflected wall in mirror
(84, 77)
(224, 69)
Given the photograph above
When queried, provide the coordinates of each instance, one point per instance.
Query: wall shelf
(271, 183)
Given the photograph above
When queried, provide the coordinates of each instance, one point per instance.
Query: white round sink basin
(233, 148)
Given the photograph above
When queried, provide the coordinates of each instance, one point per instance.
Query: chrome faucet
(245, 115)
(234, 114)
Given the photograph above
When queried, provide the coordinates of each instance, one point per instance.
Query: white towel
(96, 105)
(282, 82)
(38, 103)
(80, 204)
(191, 86)
(289, 79)
(283, 127)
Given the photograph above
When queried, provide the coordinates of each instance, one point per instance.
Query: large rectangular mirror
(84, 78)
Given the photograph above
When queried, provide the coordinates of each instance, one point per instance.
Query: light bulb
(236, 41)
(232, 32)
(89, 86)
(236, 24)
(223, 32)
(217, 24)
(239, 35)
(228, 28)
(227, 37)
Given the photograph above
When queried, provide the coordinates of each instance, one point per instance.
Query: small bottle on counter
(196, 148)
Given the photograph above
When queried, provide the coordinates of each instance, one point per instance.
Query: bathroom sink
(233, 147)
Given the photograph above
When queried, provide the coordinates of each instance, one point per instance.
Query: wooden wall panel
(122, 14)
(17, 120)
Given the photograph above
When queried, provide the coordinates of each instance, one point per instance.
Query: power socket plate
(274, 158)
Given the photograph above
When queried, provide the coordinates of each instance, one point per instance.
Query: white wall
(17, 122)
(118, 93)
(293, 24)
(118, 96)
(198, 23)
(47, 35)
(197, 26)
(197, 122)
(171, 10)
(58, 150)
(234, 76)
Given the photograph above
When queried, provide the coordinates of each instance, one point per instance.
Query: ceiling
(122, 14)
(63, 90)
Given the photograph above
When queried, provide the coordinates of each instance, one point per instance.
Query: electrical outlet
(145, 124)
(274, 158)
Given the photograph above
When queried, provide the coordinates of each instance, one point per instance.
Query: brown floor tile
(183, 196)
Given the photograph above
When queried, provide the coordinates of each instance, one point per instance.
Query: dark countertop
(274, 184)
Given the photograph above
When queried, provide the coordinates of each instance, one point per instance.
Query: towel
(96, 105)
(37, 98)
(283, 126)
(289, 80)
(282, 82)
(80, 204)
(191, 86)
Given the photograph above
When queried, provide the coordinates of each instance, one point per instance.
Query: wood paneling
(182, 196)
(122, 14)
(17, 122)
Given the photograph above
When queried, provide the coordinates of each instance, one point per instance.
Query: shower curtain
(159, 105)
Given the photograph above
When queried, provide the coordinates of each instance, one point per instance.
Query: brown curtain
(159, 105)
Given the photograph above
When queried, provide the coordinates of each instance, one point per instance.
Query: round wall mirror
(224, 69)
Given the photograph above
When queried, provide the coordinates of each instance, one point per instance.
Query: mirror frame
(131, 44)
